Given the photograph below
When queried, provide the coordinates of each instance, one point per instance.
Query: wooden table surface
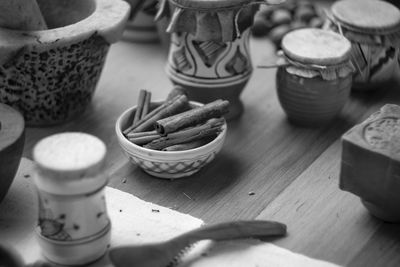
(267, 169)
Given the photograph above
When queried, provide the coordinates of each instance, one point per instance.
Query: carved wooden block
(370, 166)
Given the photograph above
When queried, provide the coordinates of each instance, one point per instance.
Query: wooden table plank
(383, 249)
(330, 224)
(323, 221)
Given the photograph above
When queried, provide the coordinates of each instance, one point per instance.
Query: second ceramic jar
(315, 77)
(373, 27)
(209, 52)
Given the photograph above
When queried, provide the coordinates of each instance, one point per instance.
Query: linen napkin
(135, 221)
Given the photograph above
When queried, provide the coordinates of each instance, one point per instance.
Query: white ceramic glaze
(73, 225)
(168, 164)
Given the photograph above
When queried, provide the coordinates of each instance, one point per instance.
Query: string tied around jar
(379, 37)
(311, 70)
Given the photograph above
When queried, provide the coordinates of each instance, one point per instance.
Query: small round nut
(281, 16)
(277, 33)
(304, 13)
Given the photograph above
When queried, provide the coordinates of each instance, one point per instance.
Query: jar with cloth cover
(373, 27)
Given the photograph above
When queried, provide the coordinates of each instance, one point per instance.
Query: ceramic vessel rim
(328, 60)
(339, 9)
(85, 26)
(198, 150)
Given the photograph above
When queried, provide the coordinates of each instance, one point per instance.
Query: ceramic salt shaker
(73, 225)
(209, 50)
(373, 27)
(315, 75)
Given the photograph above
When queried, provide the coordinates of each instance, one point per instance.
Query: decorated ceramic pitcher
(373, 27)
(73, 225)
(209, 50)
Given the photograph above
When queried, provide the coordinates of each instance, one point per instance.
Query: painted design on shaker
(50, 226)
(67, 225)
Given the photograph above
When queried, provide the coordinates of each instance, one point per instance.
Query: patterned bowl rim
(126, 144)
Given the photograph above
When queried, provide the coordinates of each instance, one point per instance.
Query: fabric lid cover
(369, 16)
(316, 46)
(210, 20)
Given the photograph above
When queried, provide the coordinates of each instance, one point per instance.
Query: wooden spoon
(164, 253)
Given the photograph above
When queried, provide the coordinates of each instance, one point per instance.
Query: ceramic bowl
(168, 164)
(50, 75)
(12, 139)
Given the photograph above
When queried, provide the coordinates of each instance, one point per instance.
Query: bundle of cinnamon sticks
(175, 125)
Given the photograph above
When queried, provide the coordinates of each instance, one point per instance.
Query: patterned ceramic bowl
(168, 164)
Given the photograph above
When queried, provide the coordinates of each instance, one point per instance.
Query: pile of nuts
(276, 21)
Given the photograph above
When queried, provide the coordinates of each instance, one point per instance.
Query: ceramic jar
(315, 75)
(73, 225)
(373, 27)
(209, 50)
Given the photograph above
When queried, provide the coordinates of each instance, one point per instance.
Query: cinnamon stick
(168, 108)
(187, 146)
(141, 134)
(139, 107)
(21, 15)
(142, 140)
(191, 117)
(211, 128)
(146, 105)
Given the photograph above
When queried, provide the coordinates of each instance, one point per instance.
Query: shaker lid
(369, 16)
(316, 46)
(70, 155)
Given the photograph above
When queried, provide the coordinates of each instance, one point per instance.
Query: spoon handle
(232, 230)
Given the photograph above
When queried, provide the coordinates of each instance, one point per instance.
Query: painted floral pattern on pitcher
(210, 60)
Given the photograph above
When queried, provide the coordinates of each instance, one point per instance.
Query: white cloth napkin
(135, 221)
